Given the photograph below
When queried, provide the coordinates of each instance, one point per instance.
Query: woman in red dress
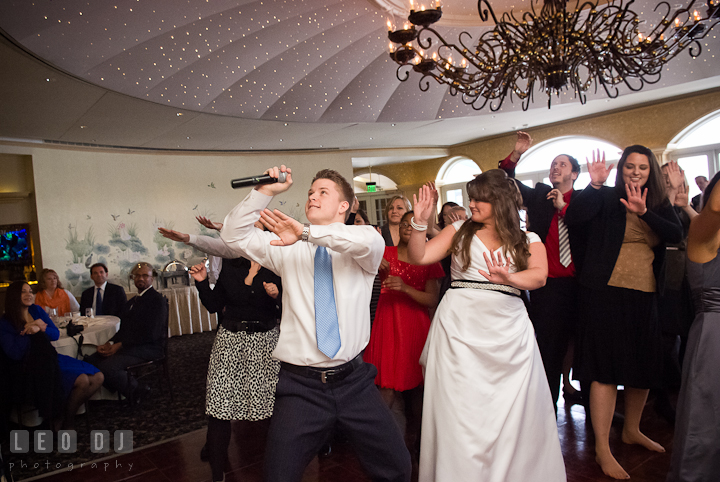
(402, 322)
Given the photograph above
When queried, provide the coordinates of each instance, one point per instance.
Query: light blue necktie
(327, 328)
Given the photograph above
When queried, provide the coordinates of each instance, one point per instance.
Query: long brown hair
(656, 190)
(41, 281)
(496, 188)
(13, 305)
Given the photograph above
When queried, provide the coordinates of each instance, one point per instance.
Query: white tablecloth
(187, 314)
(98, 331)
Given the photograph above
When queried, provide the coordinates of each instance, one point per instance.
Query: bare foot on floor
(611, 467)
(640, 439)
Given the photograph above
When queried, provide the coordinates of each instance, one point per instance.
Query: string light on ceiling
(559, 48)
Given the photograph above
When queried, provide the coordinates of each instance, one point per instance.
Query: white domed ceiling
(288, 61)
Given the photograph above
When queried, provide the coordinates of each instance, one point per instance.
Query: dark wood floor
(178, 460)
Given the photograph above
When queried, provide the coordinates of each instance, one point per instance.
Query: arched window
(534, 165)
(452, 178)
(697, 150)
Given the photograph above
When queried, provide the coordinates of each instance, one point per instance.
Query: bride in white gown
(487, 413)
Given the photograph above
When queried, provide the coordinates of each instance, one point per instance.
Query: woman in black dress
(242, 375)
(619, 341)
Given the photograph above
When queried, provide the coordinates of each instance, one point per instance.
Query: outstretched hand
(636, 200)
(498, 269)
(433, 192)
(288, 229)
(174, 235)
(675, 175)
(209, 224)
(423, 203)
(681, 197)
(522, 144)
(597, 169)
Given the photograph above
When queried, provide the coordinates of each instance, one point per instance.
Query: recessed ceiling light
(188, 137)
(179, 114)
(83, 127)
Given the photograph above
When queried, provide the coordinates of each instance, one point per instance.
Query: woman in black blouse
(624, 229)
(242, 374)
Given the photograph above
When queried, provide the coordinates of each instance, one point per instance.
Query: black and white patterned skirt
(242, 375)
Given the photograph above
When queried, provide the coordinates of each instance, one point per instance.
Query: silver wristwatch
(306, 232)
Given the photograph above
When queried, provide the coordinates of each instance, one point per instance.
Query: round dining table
(97, 331)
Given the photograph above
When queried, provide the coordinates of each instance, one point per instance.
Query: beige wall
(78, 191)
(651, 125)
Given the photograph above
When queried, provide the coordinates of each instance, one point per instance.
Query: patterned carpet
(154, 420)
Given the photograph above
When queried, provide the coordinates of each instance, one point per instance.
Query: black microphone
(256, 180)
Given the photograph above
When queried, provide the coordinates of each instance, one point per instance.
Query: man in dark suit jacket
(702, 183)
(142, 335)
(553, 308)
(111, 298)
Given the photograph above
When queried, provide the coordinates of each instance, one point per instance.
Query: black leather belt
(248, 326)
(325, 375)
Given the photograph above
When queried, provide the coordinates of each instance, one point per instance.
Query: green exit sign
(371, 186)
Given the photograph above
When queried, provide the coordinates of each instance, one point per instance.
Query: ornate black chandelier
(559, 48)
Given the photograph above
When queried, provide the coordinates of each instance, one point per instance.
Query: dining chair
(158, 366)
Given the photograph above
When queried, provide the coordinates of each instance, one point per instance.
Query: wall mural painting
(124, 247)
(85, 252)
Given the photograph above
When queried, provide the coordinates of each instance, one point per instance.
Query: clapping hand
(198, 272)
(597, 169)
(498, 269)
(636, 201)
(174, 235)
(209, 224)
(288, 229)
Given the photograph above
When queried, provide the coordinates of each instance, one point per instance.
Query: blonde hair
(405, 200)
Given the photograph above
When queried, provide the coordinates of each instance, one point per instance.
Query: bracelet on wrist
(418, 227)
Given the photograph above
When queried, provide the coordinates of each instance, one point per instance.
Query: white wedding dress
(487, 414)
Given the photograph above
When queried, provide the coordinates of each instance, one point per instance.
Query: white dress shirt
(102, 293)
(216, 249)
(356, 252)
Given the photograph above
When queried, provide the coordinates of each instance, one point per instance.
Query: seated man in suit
(104, 298)
(142, 334)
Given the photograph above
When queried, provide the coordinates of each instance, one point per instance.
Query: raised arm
(239, 232)
(704, 235)
(422, 252)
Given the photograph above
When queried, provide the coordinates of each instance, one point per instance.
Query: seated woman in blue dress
(20, 323)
